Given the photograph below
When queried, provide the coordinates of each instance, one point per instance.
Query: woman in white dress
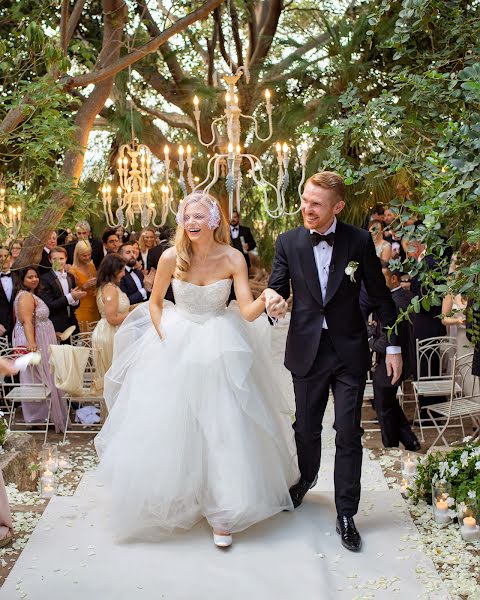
(198, 425)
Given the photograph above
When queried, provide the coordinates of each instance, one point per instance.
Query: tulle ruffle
(198, 425)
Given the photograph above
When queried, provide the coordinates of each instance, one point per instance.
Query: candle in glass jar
(409, 466)
(441, 512)
(470, 523)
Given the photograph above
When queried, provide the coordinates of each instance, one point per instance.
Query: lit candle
(409, 466)
(267, 96)
(119, 191)
(166, 150)
(189, 149)
(230, 150)
(470, 531)
(48, 491)
(51, 465)
(441, 512)
(442, 506)
(285, 149)
(470, 522)
(238, 149)
(196, 101)
(180, 150)
(63, 463)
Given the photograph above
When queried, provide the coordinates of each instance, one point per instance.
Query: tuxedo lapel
(57, 282)
(309, 266)
(3, 295)
(338, 262)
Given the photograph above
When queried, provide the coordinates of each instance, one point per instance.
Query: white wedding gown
(198, 425)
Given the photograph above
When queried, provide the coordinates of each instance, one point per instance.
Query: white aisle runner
(71, 554)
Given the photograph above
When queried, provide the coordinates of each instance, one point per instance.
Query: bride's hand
(160, 334)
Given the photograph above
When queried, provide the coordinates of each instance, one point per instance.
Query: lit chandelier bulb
(230, 148)
(119, 191)
(196, 101)
(125, 161)
(278, 147)
(109, 189)
(227, 98)
(180, 151)
(166, 149)
(189, 149)
(119, 161)
(19, 209)
(238, 148)
(267, 95)
(235, 98)
(285, 148)
(143, 159)
(104, 189)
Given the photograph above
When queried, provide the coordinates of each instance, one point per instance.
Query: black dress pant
(394, 425)
(311, 396)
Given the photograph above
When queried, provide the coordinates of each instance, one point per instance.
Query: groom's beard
(131, 263)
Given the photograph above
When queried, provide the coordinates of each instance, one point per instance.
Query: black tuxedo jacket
(153, 257)
(379, 342)
(6, 311)
(51, 292)
(128, 286)
(248, 237)
(44, 266)
(294, 263)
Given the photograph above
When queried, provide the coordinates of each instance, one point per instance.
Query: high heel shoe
(222, 540)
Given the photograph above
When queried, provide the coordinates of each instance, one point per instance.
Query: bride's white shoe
(222, 540)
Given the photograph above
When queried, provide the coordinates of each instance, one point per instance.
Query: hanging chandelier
(11, 216)
(134, 189)
(227, 134)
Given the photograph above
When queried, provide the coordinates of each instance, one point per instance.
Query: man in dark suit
(242, 238)
(325, 262)
(394, 425)
(6, 295)
(154, 255)
(133, 283)
(111, 242)
(83, 232)
(60, 293)
(45, 264)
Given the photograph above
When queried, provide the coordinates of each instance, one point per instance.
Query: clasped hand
(275, 305)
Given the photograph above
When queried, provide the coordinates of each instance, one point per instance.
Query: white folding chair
(369, 425)
(434, 371)
(82, 339)
(15, 393)
(89, 397)
(464, 400)
(4, 344)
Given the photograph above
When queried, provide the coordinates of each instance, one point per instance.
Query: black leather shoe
(415, 446)
(298, 491)
(349, 535)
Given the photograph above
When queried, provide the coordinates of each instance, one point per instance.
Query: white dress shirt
(145, 258)
(63, 279)
(235, 231)
(7, 284)
(137, 281)
(323, 258)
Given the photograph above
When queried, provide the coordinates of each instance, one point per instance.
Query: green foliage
(459, 467)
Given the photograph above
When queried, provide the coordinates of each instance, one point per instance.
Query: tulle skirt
(198, 425)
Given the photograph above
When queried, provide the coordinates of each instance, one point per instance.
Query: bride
(198, 425)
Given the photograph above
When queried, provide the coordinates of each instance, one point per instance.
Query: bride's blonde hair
(182, 243)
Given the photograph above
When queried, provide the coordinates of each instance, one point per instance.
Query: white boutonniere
(350, 269)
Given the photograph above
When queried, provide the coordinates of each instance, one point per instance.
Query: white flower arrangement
(350, 269)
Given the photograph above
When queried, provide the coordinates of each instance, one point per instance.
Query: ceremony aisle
(293, 555)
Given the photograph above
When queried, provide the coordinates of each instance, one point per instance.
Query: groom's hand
(275, 305)
(394, 365)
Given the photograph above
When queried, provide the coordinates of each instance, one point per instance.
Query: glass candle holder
(468, 519)
(409, 466)
(442, 502)
(49, 457)
(63, 462)
(47, 484)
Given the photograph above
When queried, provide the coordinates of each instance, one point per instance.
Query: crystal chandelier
(228, 163)
(11, 216)
(134, 189)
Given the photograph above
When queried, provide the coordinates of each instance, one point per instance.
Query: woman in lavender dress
(34, 331)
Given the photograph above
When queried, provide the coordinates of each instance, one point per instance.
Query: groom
(325, 262)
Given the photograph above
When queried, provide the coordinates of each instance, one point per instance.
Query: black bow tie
(316, 238)
(5, 275)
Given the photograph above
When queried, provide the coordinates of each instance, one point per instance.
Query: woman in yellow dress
(85, 275)
(114, 307)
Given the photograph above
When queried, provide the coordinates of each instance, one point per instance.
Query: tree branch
(236, 33)
(268, 28)
(74, 18)
(221, 39)
(139, 53)
(63, 25)
(284, 64)
(172, 119)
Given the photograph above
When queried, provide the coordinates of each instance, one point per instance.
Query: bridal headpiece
(207, 208)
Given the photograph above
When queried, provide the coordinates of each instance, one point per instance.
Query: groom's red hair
(329, 180)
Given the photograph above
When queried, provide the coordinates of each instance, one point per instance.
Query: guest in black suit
(60, 293)
(394, 425)
(242, 238)
(84, 232)
(45, 264)
(111, 242)
(134, 284)
(324, 263)
(6, 295)
(165, 234)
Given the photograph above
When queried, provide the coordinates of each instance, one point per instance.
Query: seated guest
(382, 248)
(147, 242)
(84, 232)
(133, 283)
(113, 306)
(242, 238)
(85, 275)
(6, 295)
(60, 293)
(394, 425)
(111, 243)
(34, 331)
(45, 264)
